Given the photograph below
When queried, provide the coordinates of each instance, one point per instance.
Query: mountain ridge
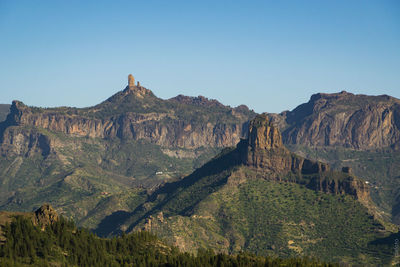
(359, 122)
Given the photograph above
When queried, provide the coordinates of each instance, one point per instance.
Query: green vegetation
(379, 167)
(279, 219)
(62, 244)
(225, 206)
(120, 103)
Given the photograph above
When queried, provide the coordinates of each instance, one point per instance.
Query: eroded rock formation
(265, 152)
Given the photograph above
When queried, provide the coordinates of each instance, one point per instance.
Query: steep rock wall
(343, 119)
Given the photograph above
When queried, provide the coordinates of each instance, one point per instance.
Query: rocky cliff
(343, 119)
(264, 151)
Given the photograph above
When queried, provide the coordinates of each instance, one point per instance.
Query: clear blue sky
(269, 55)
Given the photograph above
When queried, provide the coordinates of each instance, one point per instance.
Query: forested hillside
(62, 244)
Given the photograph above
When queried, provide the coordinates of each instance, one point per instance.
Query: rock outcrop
(264, 149)
(343, 119)
(264, 152)
(131, 82)
(45, 215)
(137, 90)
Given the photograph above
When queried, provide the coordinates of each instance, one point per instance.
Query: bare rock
(263, 134)
(343, 119)
(131, 82)
(45, 215)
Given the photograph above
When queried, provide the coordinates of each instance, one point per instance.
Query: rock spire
(136, 89)
(263, 134)
(264, 149)
(131, 81)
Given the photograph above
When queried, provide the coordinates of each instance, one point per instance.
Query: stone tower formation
(131, 81)
(136, 89)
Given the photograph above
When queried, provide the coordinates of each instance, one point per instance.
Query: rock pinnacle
(131, 81)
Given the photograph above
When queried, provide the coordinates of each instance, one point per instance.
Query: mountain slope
(262, 198)
(60, 243)
(358, 131)
(112, 154)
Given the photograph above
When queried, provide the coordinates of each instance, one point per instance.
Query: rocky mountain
(4, 109)
(262, 198)
(88, 162)
(343, 119)
(359, 131)
(136, 114)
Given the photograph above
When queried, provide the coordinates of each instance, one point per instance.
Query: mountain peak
(136, 89)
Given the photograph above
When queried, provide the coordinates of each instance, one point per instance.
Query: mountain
(358, 131)
(260, 197)
(4, 109)
(343, 119)
(89, 162)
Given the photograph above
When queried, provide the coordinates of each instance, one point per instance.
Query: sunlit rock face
(343, 119)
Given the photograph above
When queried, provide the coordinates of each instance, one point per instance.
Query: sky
(268, 55)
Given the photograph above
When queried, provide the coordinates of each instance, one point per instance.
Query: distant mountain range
(126, 164)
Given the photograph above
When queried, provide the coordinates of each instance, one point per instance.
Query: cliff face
(264, 149)
(343, 119)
